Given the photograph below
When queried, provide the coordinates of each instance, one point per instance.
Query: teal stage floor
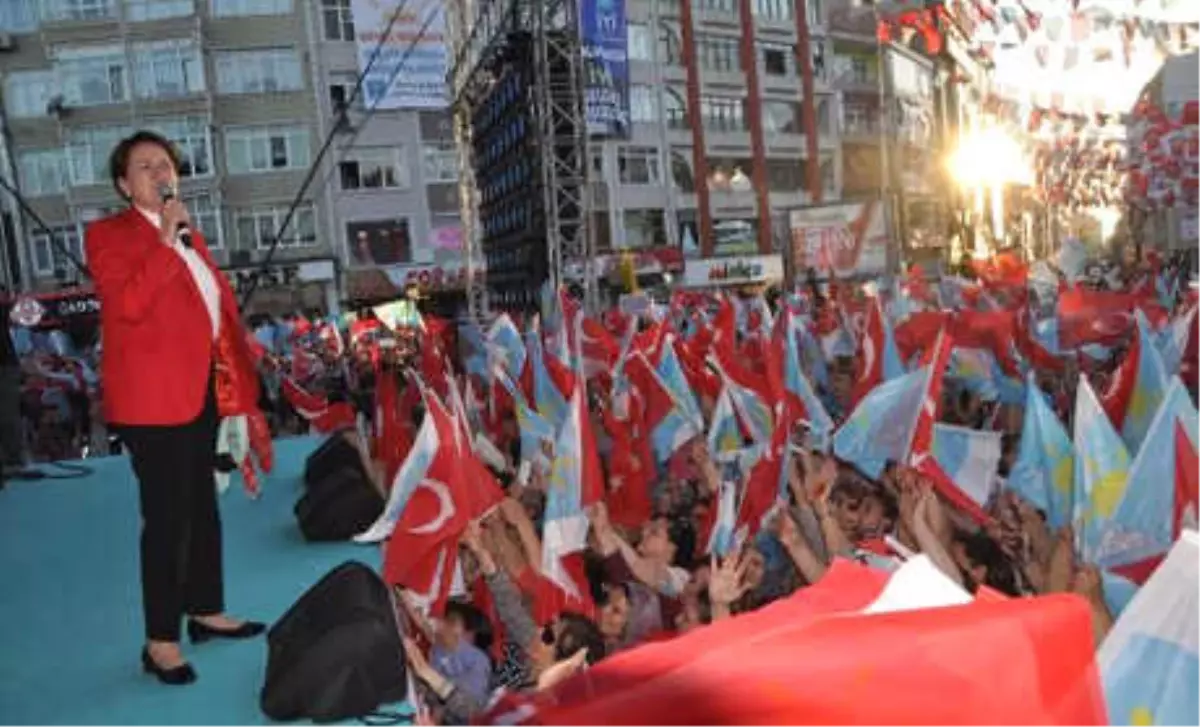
(70, 613)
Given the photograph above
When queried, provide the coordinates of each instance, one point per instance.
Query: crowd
(635, 478)
(639, 478)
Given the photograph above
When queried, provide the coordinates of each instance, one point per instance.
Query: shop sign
(280, 276)
(432, 277)
(742, 270)
(53, 309)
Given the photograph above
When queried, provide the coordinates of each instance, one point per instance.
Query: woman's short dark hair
(118, 162)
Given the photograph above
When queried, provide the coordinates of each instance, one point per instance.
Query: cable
(54, 241)
(332, 135)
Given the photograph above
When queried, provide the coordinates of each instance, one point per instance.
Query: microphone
(167, 193)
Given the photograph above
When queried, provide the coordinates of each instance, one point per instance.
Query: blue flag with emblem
(1142, 525)
(881, 427)
(1101, 471)
(1150, 661)
(1045, 468)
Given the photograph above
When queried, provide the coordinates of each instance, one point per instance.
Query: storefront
(439, 288)
(734, 272)
(308, 285)
(653, 269)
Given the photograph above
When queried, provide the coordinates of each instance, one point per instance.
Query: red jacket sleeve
(126, 282)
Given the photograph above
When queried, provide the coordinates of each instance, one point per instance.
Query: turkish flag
(814, 658)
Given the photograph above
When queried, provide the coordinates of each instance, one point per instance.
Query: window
(815, 15)
(379, 242)
(722, 114)
(861, 70)
(266, 148)
(93, 76)
(206, 216)
(48, 257)
(858, 119)
(78, 9)
(231, 8)
(141, 10)
(719, 6)
(372, 169)
(773, 9)
(256, 227)
(88, 148)
(43, 172)
(258, 71)
(18, 16)
(639, 165)
(718, 53)
(339, 23)
(776, 59)
(26, 93)
(643, 104)
(440, 161)
(193, 138)
(780, 117)
(640, 42)
(681, 172)
(643, 228)
(676, 110)
(168, 68)
(670, 50)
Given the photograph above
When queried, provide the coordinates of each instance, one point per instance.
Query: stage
(70, 610)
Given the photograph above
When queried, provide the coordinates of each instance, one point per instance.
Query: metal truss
(559, 77)
(467, 80)
(479, 34)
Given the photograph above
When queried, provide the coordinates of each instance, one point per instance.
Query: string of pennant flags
(1068, 81)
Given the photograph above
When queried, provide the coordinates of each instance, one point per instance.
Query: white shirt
(206, 282)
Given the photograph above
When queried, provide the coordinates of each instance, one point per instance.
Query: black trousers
(181, 527)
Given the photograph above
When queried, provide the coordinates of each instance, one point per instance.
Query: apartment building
(647, 192)
(229, 81)
(892, 124)
(393, 193)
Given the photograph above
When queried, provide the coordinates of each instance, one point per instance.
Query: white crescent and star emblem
(446, 508)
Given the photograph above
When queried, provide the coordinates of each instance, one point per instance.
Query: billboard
(604, 41)
(410, 72)
(846, 239)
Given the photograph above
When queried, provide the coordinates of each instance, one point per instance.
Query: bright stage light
(990, 157)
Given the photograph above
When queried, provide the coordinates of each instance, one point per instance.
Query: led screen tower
(519, 96)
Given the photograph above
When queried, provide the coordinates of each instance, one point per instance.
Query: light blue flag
(1118, 592)
(893, 366)
(1149, 664)
(671, 373)
(813, 357)
(1142, 525)
(1101, 471)
(534, 428)
(506, 345)
(1148, 389)
(1045, 468)
(724, 433)
(548, 400)
(820, 424)
(1172, 340)
(881, 427)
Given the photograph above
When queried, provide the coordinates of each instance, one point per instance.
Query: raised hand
(726, 581)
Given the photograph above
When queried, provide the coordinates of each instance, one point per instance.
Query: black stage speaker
(337, 653)
(340, 499)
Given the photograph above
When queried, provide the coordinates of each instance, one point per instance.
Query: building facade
(229, 81)
(740, 154)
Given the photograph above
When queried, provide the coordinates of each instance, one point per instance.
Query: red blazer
(157, 333)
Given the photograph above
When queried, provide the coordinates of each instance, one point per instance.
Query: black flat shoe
(175, 676)
(199, 633)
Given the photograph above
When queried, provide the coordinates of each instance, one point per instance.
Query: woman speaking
(164, 310)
